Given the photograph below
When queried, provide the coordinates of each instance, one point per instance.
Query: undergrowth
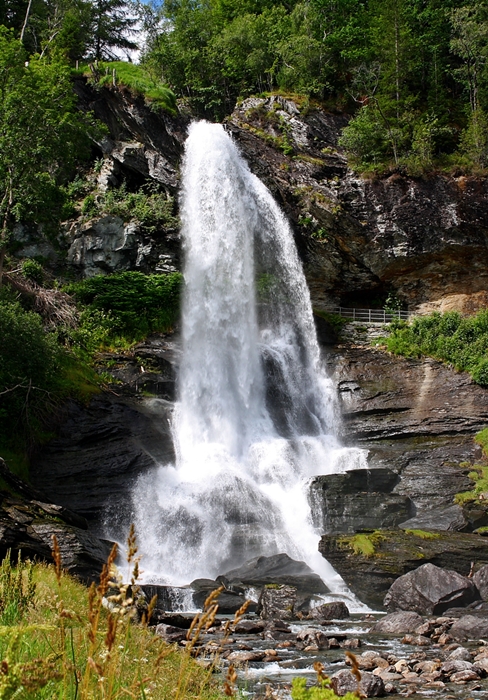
(151, 208)
(123, 308)
(59, 640)
(478, 474)
(362, 544)
(135, 78)
(449, 337)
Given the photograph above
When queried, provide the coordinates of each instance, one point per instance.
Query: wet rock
(358, 499)
(469, 627)
(396, 553)
(455, 666)
(277, 569)
(170, 634)
(370, 686)
(461, 654)
(480, 580)
(100, 450)
(416, 640)
(330, 611)
(464, 676)
(278, 630)
(398, 623)
(312, 637)
(430, 590)
(249, 627)
(277, 603)
(245, 657)
(228, 601)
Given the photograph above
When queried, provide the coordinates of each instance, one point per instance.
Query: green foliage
(41, 135)
(480, 477)
(65, 644)
(17, 590)
(461, 342)
(150, 207)
(336, 321)
(30, 363)
(362, 544)
(139, 81)
(33, 270)
(482, 439)
(423, 534)
(125, 307)
(299, 691)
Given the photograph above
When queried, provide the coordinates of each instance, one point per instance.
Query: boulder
(330, 611)
(229, 601)
(370, 686)
(430, 590)
(469, 627)
(397, 552)
(277, 569)
(310, 636)
(480, 580)
(170, 634)
(401, 622)
(358, 499)
(277, 603)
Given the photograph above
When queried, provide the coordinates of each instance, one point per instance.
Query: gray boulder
(330, 611)
(278, 569)
(370, 686)
(469, 627)
(480, 580)
(430, 590)
(278, 603)
(402, 622)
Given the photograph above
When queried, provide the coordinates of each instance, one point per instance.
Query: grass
(478, 474)
(336, 321)
(135, 78)
(423, 534)
(362, 544)
(59, 641)
(451, 338)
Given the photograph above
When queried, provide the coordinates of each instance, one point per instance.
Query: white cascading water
(256, 415)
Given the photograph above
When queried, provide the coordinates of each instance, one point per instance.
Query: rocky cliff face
(425, 238)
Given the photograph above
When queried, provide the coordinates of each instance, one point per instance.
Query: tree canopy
(41, 135)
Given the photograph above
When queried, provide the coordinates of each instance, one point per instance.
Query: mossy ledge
(369, 562)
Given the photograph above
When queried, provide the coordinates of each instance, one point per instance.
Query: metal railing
(370, 315)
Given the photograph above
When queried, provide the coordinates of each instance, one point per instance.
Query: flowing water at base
(256, 414)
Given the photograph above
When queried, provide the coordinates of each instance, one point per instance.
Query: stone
(464, 676)
(430, 590)
(330, 611)
(480, 580)
(460, 653)
(245, 657)
(469, 627)
(370, 686)
(397, 623)
(249, 627)
(311, 636)
(396, 553)
(454, 666)
(170, 634)
(277, 569)
(277, 603)
(358, 499)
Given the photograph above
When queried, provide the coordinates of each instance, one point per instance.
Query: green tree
(41, 136)
(113, 23)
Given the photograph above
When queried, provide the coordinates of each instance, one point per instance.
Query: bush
(30, 363)
(461, 342)
(126, 306)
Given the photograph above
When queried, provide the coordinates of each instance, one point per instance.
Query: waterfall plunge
(256, 415)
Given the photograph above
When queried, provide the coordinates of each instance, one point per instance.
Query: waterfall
(256, 414)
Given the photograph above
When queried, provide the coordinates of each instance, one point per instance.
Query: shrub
(461, 342)
(30, 362)
(126, 306)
